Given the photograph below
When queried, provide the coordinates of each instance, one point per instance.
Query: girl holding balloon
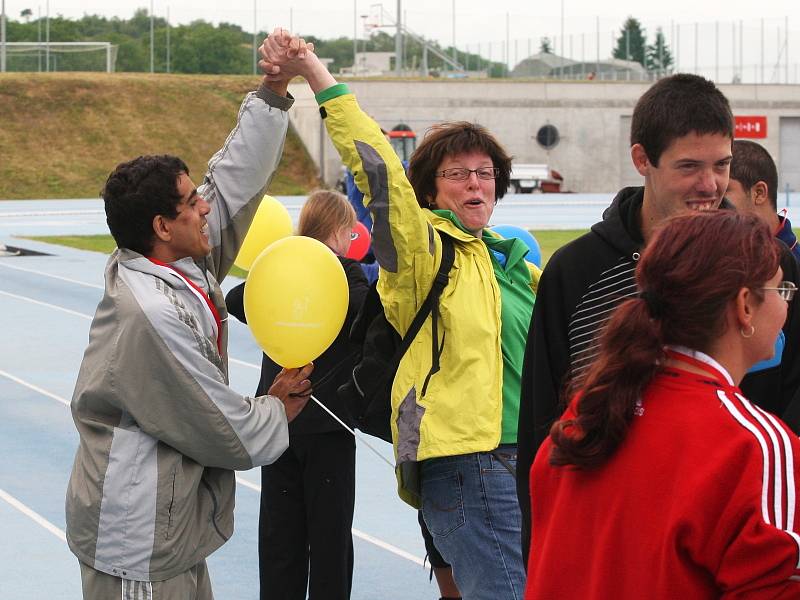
(308, 494)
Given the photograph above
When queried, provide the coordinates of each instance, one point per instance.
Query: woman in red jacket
(661, 480)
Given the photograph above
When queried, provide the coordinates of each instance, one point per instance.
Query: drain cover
(6, 251)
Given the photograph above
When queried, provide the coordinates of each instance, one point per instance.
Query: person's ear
(640, 161)
(161, 228)
(759, 194)
(745, 308)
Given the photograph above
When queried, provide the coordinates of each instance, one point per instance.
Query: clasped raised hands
(283, 55)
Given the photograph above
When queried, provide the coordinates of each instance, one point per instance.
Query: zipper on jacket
(171, 504)
(215, 507)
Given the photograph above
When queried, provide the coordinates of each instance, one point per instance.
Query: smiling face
(471, 200)
(187, 233)
(692, 174)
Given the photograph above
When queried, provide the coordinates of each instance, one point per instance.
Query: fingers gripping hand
(282, 55)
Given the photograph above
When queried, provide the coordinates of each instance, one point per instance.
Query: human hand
(293, 388)
(283, 55)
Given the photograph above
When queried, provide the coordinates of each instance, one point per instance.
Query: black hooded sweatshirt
(580, 287)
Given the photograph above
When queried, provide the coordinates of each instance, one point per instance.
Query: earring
(747, 335)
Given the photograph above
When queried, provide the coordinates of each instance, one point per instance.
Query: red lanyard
(709, 365)
(202, 294)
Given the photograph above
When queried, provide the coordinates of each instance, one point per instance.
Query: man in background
(753, 187)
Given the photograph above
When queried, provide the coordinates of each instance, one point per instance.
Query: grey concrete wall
(592, 118)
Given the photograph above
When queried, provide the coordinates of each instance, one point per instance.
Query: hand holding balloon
(293, 388)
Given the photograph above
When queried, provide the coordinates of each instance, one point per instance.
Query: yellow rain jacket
(461, 410)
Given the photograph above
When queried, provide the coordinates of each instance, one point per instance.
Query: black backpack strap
(430, 305)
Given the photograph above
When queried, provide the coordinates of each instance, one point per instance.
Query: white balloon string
(360, 438)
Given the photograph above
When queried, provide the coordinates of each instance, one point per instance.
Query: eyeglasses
(462, 173)
(785, 290)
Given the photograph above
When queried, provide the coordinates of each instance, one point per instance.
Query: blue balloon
(534, 254)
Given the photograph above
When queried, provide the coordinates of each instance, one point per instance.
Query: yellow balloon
(272, 222)
(295, 299)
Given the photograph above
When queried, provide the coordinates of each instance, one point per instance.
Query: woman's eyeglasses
(462, 173)
(785, 290)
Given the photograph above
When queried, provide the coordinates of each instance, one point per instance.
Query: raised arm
(405, 243)
(239, 172)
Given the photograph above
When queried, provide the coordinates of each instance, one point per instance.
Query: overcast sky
(484, 22)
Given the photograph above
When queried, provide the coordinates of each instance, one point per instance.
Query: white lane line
(360, 534)
(52, 213)
(356, 532)
(67, 279)
(33, 515)
(47, 304)
(89, 317)
(243, 363)
(35, 388)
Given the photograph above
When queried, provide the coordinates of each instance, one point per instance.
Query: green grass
(101, 243)
(549, 241)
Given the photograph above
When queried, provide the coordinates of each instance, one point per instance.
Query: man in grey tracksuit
(151, 493)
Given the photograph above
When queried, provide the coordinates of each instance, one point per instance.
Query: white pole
(152, 46)
(762, 50)
(39, 36)
(3, 37)
(454, 30)
(355, 36)
(398, 41)
(786, 29)
(255, 32)
(47, 37)
(716, 55)
(108, 58)
(168, 42)
(561, 60)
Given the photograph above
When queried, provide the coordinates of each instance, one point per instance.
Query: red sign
(750, 127)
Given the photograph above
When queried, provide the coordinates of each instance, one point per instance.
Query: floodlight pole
(255, 33)
(398, 42)
(152, 55)
(3, 37)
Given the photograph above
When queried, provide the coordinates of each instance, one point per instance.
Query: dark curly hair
(136, 192)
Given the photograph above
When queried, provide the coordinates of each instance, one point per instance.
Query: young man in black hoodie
(681, 135)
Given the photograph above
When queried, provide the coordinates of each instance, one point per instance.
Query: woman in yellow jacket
(454, 429)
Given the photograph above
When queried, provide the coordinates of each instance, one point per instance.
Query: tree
(631, 42)
(545, 46)
(659, 58)
(26, 14)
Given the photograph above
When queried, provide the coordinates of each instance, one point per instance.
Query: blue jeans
(469, 504)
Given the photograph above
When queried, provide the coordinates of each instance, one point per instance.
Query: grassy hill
(61, 134)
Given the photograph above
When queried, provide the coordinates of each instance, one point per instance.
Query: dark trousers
(307, 500)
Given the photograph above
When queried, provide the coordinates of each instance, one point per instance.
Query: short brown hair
(752, 163)
(676, 106)
(323, 213)
(450, 139)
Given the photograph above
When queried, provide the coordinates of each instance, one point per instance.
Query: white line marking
(356, 532)
(243, 363)
(35, 388)
(257, 488)
(91, 285)
(32, 514)
(27, 299)
(85, 316)
(52, 213)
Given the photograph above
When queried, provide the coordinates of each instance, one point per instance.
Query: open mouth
(474, 203)
(204, 230)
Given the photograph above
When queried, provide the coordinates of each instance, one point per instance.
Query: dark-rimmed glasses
(462, 173)
(785, 290)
